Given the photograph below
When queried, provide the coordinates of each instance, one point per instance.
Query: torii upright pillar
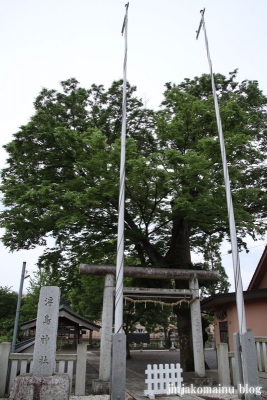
(196, 324)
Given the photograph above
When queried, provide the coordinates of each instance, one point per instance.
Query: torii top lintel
(148, 272)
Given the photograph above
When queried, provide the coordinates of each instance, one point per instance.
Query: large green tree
(63, 167)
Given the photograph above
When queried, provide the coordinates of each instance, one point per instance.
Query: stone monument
(43, 383)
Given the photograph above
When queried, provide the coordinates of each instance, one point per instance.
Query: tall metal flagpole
(244, 342)
(118, 370)
(235, 255)
(120, 240)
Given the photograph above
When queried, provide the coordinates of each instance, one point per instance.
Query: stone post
(101, 386)
(4, 357)
(250, 366)
(238, 366)
(223, 364)
(80, 370)
(197, 329)
(118, 377)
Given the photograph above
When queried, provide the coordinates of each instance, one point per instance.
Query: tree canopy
(62, 177)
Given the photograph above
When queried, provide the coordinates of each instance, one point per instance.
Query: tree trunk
(179, 256)
(185, 337)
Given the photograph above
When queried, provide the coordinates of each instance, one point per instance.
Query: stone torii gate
(192, 293)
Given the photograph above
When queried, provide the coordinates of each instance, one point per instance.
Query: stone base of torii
(116, 362)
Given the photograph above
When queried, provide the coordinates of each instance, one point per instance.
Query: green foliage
(187, 130)
(63, 168)
(43, 277)
(212, 261)
(62, 177)
(86, 298)
(8, 305)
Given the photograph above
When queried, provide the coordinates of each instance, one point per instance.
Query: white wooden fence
(21, 363)
(161, 379)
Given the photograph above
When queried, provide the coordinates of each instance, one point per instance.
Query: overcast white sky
(43, 42)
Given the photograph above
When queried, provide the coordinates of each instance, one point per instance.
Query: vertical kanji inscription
(46, 331)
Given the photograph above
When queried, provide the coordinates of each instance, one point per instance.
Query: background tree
(63, 174)
(8, 305)
(43, 277)
(86, 298)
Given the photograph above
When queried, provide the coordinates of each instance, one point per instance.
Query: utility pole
(16, 324)
(247, 371)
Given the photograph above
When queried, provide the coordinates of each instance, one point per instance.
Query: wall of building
(255, 318)
(256, 312)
